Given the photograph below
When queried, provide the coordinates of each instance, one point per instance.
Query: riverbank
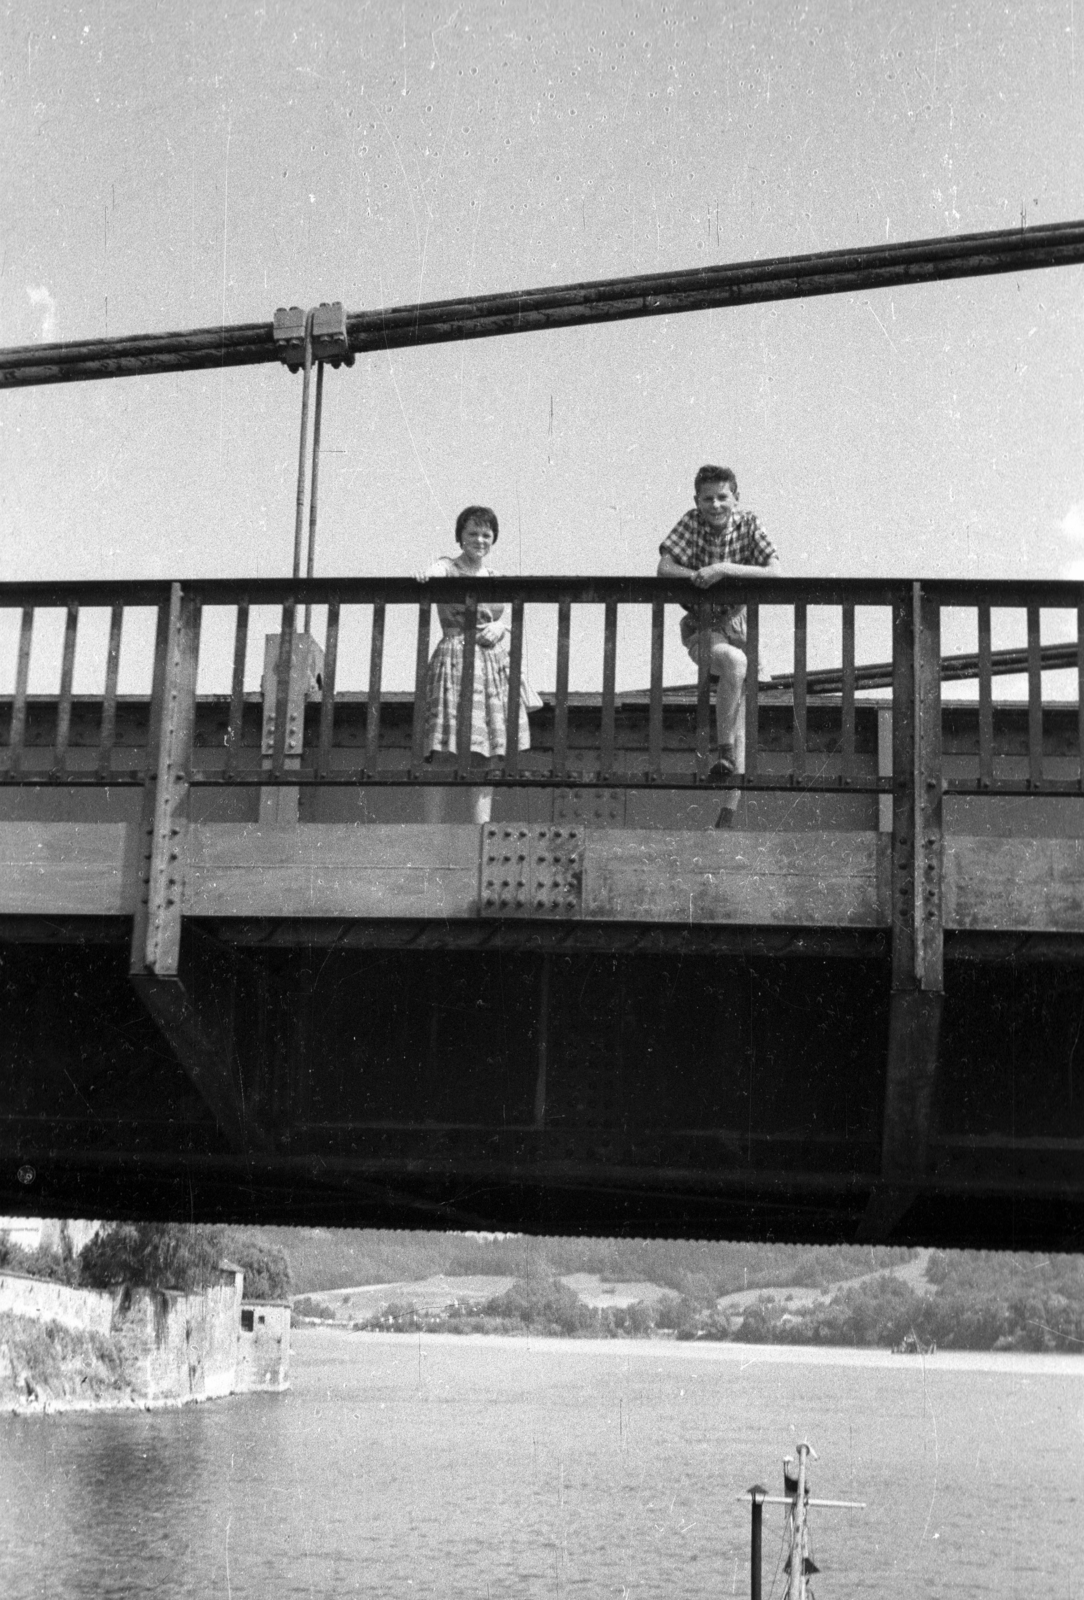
(159, 1348)
(45, 1366)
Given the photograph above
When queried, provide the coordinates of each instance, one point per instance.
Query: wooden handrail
(39, 748)
(579, 589)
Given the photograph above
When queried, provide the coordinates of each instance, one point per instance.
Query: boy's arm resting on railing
(704, 577)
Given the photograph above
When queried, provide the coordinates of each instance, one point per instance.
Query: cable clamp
(328, 334)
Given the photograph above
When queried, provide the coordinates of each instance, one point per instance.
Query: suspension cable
(569, 305)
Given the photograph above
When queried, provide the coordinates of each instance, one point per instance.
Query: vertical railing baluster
(515, 692)
(560, 710)
(327, 690)
(799, 741)
(986, 699)
(607, 731)
(284, 673)
(846, 708)
(17, 735)
(64, 702)
(465, 710)
(1080, 694)
(376, 674)
(654, 710)
(1035, 701)
(235, 727)
(704, 739)
(195, 630)
(168, 612)
(107, 730)
(418, 751)
(752, 689)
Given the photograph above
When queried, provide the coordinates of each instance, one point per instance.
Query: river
(492, 1467)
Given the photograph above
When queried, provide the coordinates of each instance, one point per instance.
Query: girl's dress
(488, 732)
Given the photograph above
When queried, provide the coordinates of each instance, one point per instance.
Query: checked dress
(489, 708)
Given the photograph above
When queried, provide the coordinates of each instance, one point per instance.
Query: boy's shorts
(727, 635)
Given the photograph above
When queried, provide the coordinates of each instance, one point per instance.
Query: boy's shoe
(726, 766)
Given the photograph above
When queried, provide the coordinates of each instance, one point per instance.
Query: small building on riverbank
(263, 1346)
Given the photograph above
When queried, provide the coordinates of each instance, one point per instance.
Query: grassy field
(427, 1294)
(435, 1293)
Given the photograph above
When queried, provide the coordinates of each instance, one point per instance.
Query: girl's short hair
(711, 474)
(482, 513)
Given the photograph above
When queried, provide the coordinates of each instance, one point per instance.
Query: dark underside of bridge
(854, 1015)
(705, 1082)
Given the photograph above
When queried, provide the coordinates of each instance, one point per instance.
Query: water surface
(487, 1467)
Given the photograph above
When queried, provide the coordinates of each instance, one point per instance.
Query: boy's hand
(706, 576)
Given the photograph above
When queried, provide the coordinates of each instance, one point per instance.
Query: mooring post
(756, 1505)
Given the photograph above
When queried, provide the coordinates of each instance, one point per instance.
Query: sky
(176, 166)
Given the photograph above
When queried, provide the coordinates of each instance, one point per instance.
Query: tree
(152, 1255)
(306, 1306)
(265, 1266)
(544, 1304)
(638, 1319)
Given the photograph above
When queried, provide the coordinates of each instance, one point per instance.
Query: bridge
(243, 978)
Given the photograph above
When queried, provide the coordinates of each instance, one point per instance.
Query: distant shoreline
(1036, 1362)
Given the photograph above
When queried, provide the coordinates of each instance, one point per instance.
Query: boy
(712, 542)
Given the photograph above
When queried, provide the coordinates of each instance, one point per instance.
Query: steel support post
(545, 985)
(156, 935)
(192, 1010)
(917, 926)
(284, 695)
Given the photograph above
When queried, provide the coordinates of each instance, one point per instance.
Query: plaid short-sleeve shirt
(693, 543)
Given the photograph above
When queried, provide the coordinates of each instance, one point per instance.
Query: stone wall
(263, 1346)
(181, 1346)
(90, 1310)
(174, 1346)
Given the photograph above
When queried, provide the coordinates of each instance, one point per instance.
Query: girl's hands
(489, 635)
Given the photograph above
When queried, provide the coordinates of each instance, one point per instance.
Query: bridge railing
(160, 642)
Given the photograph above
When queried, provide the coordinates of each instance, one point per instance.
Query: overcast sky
(170, 166)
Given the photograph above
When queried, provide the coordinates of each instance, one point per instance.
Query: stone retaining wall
(181, 1346)
(90, 1310)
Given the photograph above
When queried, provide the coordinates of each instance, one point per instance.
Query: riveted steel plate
(306, 665)
(531, 872)
(596, 808)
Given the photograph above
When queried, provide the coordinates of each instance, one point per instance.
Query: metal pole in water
(796, 1585)
(796, 1498)
(756, 1501)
